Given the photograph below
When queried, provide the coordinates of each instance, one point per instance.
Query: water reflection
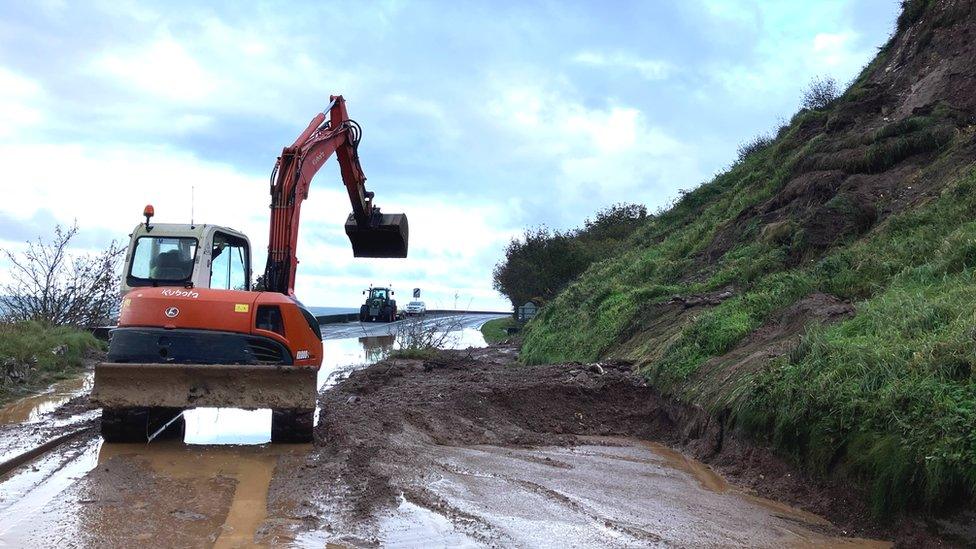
(377, 347)
(33, 407)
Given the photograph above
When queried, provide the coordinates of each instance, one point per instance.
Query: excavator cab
(189, 256)
(386, 235)
(191, 333)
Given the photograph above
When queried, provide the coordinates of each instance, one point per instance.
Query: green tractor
(379, 307)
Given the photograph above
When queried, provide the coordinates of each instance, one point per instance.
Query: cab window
(162, 259)
(229, 263)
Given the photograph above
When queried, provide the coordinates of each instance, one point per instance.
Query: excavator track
(139, 423)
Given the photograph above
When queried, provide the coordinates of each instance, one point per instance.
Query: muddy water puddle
(243, 473)
(210, 489)
(34, 407)
(606, 492)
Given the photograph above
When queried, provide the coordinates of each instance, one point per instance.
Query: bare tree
(426, 334)
(821, 92)
(50, 284)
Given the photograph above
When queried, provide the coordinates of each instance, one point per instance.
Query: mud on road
(466, 449)
(470, 449)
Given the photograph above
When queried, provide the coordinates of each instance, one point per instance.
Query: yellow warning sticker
(241, 308)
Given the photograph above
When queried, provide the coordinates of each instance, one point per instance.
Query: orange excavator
(194, 332)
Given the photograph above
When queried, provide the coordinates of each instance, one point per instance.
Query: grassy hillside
(820, 291)
(34, 355)
(497, 330)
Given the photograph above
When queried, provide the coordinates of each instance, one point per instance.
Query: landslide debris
(380, 431)
(819, 291)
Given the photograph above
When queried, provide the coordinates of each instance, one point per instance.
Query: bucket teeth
(386, 236)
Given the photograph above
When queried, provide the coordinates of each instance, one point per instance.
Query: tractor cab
(187, 256)
(380, 306)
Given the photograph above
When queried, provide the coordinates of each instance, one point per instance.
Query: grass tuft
(496, 330)
(34, 355)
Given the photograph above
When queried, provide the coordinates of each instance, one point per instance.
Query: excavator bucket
(386, 236)
(126, 385)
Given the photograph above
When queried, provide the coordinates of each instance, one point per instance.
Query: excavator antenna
(386, 235)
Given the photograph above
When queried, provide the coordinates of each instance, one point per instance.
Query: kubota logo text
(172, 312)
(168, 292)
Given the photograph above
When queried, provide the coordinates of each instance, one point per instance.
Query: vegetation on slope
(849, 201)
(542, 262)
(497, 330)
(33, 355)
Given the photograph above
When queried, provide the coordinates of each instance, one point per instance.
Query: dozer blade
(386, 236)
(124, 385)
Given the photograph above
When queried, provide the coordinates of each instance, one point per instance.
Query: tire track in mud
(467, 523)
(635, 532)
(35, 452)
(499, 450)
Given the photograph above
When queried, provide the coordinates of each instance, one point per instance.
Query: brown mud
(466, 449)
(484, 451)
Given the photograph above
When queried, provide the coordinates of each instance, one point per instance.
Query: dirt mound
(470, 398)
(371, 420)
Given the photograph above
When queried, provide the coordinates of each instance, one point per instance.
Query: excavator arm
(371, 233)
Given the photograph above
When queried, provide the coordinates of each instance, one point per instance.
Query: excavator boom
(371, 233)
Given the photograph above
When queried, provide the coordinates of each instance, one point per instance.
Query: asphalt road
(440, 322)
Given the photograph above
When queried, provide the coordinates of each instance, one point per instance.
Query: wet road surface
(212, 489)
(378, 329)
(609, 492)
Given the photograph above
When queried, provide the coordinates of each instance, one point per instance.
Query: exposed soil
(774, 338)
(834, 193)
(386, 432)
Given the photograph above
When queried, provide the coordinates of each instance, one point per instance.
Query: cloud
(649, 69)
(162, 70)
(594, 156)
(448, 242)
(477, 121)
(788, 50)
(18, 109)
(836, 50)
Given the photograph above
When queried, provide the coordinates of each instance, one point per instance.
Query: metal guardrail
(349, 317)
(332, 319)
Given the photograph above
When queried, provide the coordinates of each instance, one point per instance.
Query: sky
(479, 118)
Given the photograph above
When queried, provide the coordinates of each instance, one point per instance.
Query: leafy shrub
(820, 93)
(757, 143)
(542, 262)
